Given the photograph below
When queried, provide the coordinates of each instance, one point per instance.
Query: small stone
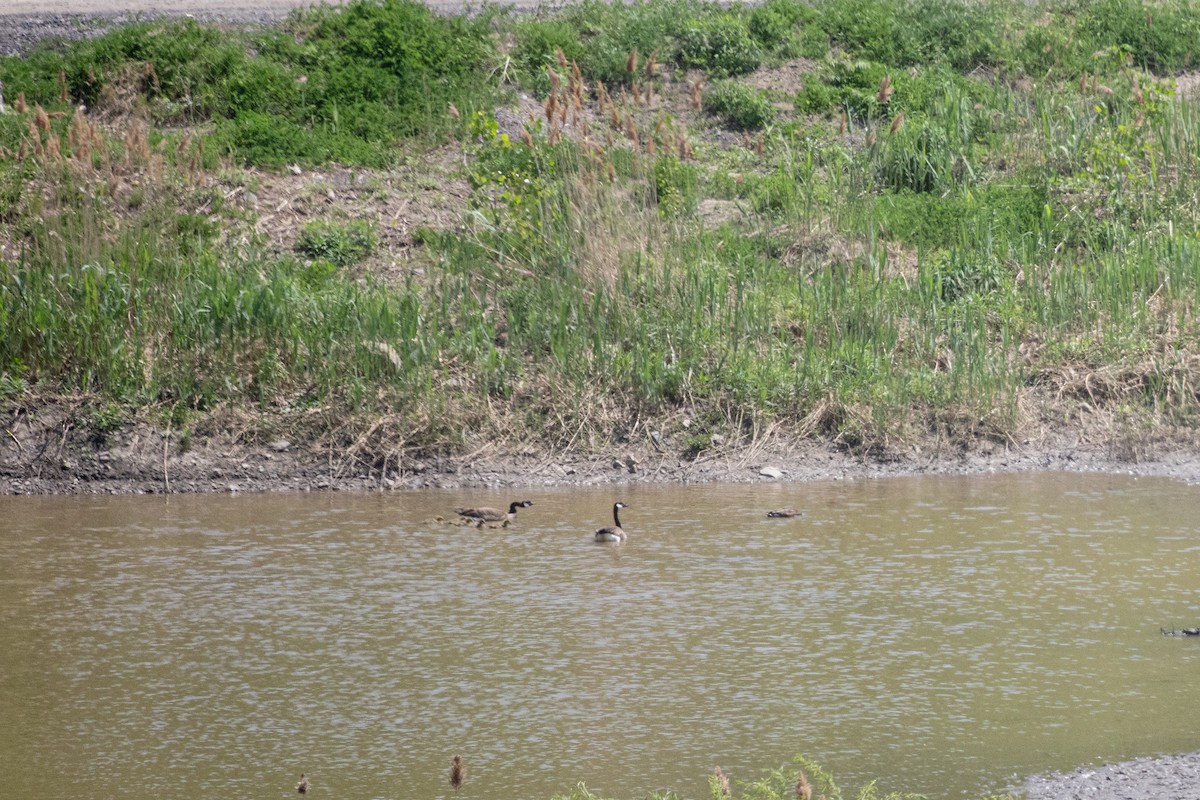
(279, 445)
(771, 472)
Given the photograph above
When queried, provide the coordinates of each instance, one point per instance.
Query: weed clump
(740, 106)
(341, 244)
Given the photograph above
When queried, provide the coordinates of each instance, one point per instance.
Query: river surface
(945, 635)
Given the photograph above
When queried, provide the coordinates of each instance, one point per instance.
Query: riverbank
(49, 450)
(1175, 777)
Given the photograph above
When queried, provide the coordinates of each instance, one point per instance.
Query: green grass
(740, 106)
(801, 779)
(971, 205)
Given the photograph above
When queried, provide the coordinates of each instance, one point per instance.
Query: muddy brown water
(946, 635)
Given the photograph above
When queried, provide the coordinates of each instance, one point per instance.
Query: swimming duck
(302, 786)
(785, 512)
(616, 533)
(486, 514)
(458, 772)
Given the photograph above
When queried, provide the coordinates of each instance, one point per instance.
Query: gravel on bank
(1174, 777)
(20, 33)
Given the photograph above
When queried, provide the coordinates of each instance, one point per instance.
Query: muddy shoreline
(51, 450)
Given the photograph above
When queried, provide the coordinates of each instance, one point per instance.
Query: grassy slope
(870, 224)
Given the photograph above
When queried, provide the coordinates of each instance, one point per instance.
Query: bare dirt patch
(398, 201)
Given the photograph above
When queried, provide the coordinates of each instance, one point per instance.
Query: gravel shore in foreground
(1174, 777)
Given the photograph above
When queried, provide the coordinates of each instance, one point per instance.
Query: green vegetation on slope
(955, 211)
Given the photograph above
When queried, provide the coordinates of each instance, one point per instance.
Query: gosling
(458, 772)
(616, 533)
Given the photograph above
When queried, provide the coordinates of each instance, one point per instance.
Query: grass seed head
(694, 87)
(80, 137)
(885, 90)
(722, 781)
(803, 789)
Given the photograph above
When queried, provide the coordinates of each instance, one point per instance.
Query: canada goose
(785, 512)
(302, 786)
(485, 514)
(1180, 632)
(458, 772)
(616, 533)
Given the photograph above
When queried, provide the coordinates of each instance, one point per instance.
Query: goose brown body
(487, 514)
(615, 533)
(458, 772)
